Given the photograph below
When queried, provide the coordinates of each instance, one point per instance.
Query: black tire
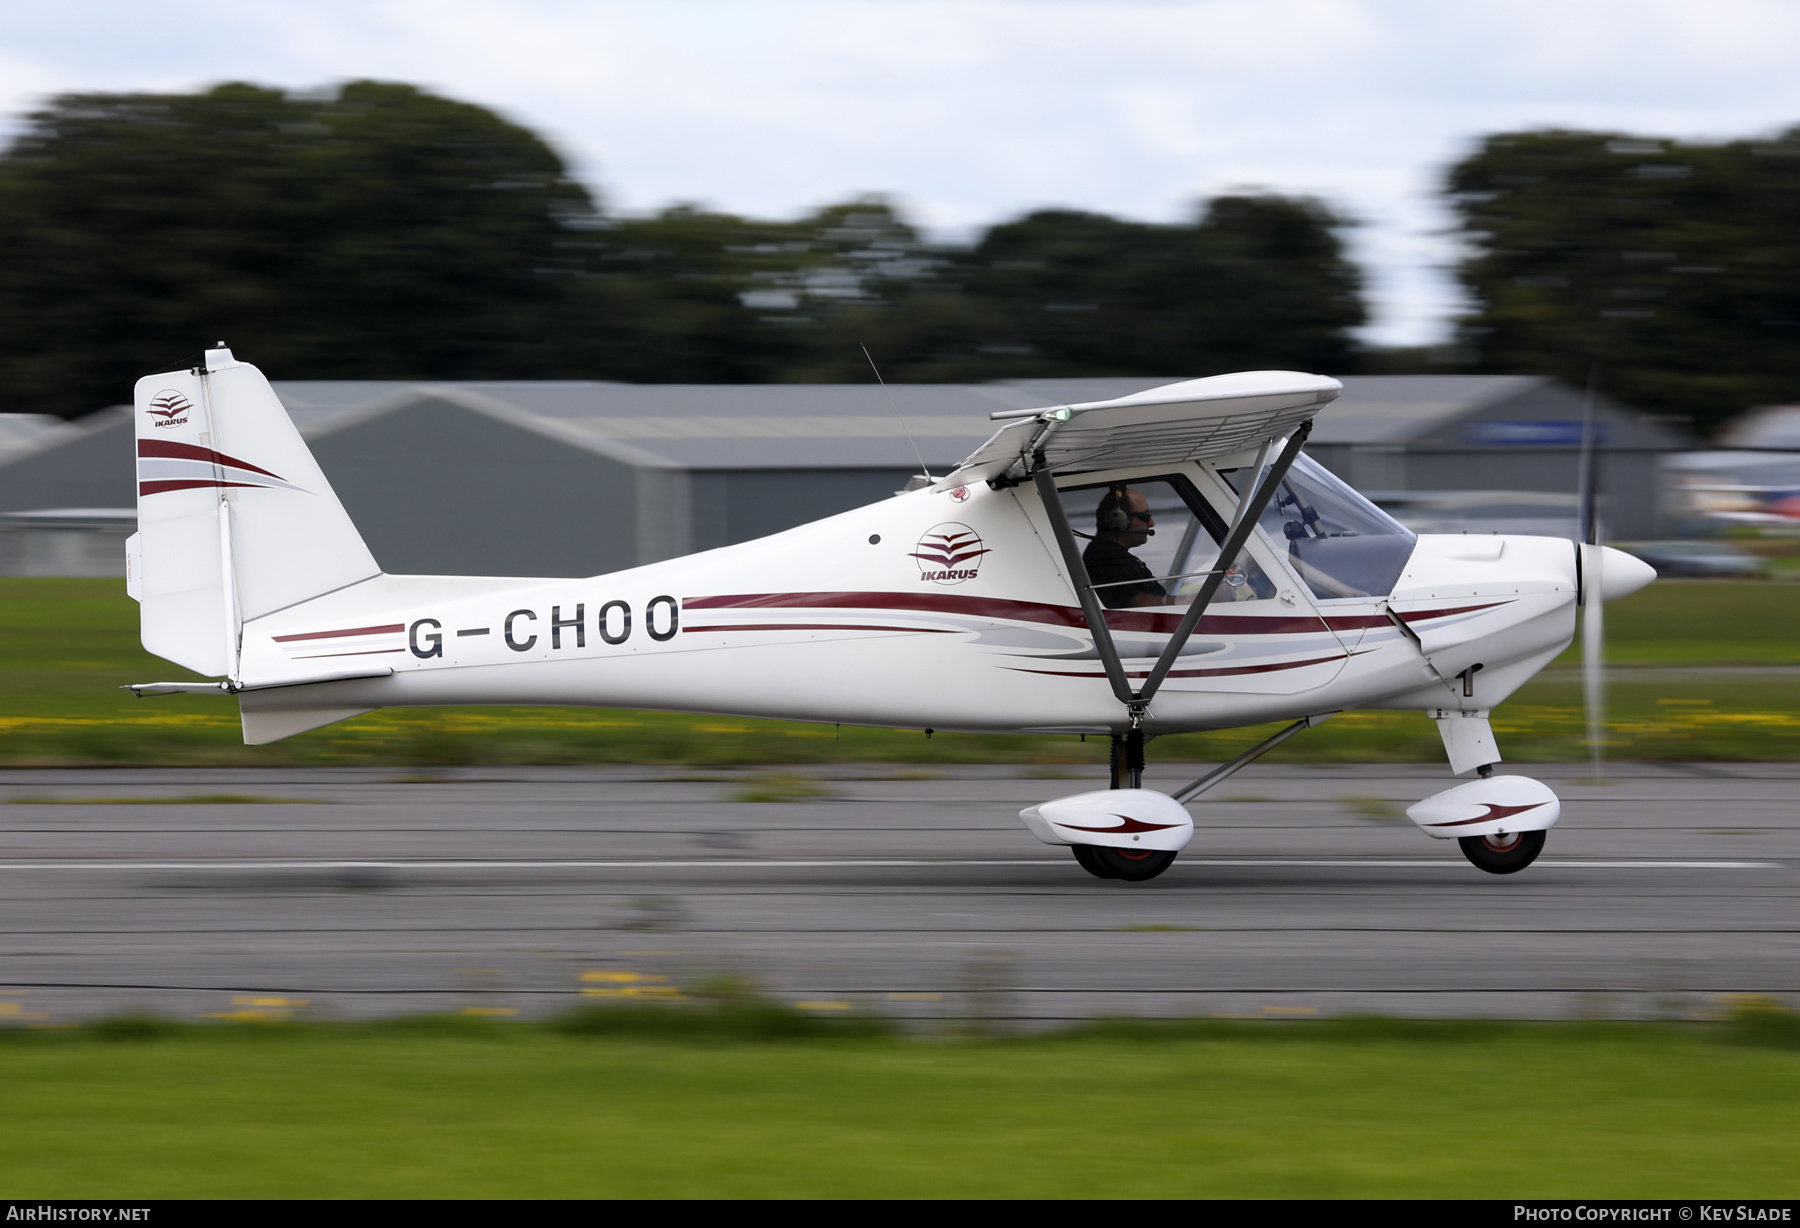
(1084, 853)
(1505, 854)
(1130, 864)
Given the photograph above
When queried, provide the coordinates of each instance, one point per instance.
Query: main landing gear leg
(1127, 771)
(1127, 760)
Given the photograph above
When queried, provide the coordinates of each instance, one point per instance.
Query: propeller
(1593, 620)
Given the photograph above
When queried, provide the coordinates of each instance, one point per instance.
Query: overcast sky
(971, 111)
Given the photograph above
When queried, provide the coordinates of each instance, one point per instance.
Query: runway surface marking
(744, 863)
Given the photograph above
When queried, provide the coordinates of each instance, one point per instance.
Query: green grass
(67, 645)
(1333, 1109)
(1703, 622)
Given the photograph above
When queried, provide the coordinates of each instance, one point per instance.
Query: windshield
(1340, 544)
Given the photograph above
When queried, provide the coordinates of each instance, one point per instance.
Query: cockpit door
(1341, 549)
(1149, 540)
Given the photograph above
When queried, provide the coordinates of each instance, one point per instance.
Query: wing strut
(1091, 609)
(1224, 771)
(1250, 511)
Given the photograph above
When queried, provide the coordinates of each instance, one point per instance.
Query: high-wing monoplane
(1161, 563)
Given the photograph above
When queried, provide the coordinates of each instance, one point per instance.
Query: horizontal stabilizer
(141, 689)
(272, 684)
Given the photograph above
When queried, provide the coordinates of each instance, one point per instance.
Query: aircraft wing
(1194, 420)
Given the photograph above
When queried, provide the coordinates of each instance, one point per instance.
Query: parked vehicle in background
(1698, 558)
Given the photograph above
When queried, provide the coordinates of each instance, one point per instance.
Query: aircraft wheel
(1131, 865)
(1503, 854)
(1084, 853)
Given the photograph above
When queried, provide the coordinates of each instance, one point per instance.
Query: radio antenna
(902, 417)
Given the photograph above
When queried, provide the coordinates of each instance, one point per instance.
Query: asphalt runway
(916, 893)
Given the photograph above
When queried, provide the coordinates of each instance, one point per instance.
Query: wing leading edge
(1194, 420)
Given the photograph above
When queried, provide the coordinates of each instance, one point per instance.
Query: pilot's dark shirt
(1107, 562)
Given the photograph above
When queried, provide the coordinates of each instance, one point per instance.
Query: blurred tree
(718, 298)
(1254, 281)
(385, 233)
(382, 232)
(1674, 267)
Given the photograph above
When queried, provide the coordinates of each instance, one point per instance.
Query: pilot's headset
(1117, 518)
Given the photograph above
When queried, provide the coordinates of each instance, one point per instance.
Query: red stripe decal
(1355, 622)
(373, 652)
(818, 627)
(1362, 622)
(1060, 615)
(1419, 616)
(995, 607)
(188, 451)
(1495, 811)
(1128, 826)
(332, 635)
(168, 484)
(1223, 671)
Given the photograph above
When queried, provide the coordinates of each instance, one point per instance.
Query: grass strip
(757, 1102)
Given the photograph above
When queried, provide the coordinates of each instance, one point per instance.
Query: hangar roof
(769, 427)
(799, 426)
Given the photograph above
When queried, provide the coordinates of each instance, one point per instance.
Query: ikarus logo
(949, 553)
(171, 407)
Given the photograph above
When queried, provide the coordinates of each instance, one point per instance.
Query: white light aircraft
(1011, 596)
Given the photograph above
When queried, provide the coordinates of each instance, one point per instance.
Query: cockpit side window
(1340, 544)
(1152, 541)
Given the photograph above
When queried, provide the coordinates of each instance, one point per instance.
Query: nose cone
(1616, 573)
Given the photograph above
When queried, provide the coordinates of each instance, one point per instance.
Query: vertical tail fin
(235, 518)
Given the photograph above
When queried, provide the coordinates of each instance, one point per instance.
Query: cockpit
(1153, 540)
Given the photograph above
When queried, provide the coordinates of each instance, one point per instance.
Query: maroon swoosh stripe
(1495, 811)
(167, 484)
(817, 627)
(1055, 615)
(1362, 622)
(1131, 825)
(186, 451)
(332, 635)
(1355, 622)
(995, 607)
(373, 652)
(1418, 616)
(1221, 672)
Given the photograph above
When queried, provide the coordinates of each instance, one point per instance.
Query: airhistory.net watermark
(56, 1213)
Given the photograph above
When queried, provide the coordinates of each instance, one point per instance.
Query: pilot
(1122, 523)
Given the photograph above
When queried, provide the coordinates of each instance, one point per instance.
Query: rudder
(235, 517)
